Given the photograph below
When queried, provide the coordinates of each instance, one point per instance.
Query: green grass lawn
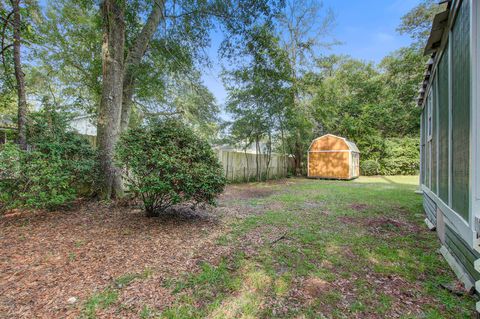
(323, 249)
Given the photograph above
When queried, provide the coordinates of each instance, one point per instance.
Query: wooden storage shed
(333, 157)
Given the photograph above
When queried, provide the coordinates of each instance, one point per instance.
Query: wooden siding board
(238, 166)
(329, 165)
(430, 209)
(461, 111)
(462, 252)
(460, 257)
(469, 254)
(329, 143)
(443, 128)
(332, 157)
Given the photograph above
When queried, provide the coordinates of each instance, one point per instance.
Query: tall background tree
(196, 17)
(15, 32)
(19, 75)
(259, 94)
(371, 104)
(418, 21)
(305, 26)
(109, 114)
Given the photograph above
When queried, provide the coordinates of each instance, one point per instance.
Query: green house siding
(450, 113)
(462, 252)
(443, 127)
(430, 208)
(461, 111)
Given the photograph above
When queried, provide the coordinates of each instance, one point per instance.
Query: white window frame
(437, 130)
(429, 135)
(475, 122)
(422, 149)
(450, 103)
(429, 115)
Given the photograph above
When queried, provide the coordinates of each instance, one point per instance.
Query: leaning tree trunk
(19, 76)
(134, 57)
(111, 102)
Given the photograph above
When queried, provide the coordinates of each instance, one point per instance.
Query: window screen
(422, 147)
(461, 111)
(434, 134)
(443, 129)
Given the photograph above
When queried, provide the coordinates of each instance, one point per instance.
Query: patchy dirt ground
(297, 259)
(238, 192)
(48, 257)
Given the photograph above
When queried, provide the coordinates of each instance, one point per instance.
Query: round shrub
(164, 163)
(369, 167)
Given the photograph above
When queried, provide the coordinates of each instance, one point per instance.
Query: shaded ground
(47, 258)
(285, 249)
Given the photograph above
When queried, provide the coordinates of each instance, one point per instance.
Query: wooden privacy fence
(242, 167)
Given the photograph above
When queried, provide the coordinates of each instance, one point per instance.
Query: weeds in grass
(79, 243)
(109, 296)
(126, 279)
(327, 247)
(72, 257)
(99, 300)
(148, 312)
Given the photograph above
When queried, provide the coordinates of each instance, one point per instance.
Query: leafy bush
(9, 172)
(391, 156)
(57, 167)
(369, 167)
(166, 164)
(402, 156)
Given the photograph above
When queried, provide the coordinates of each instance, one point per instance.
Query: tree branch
(2, 44)
(6, 20)
(4, 48)
(202, 12)
(145, 110)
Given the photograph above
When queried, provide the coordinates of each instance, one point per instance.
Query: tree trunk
(257, 155)
(285, 166)
(298, 154)
(269, 155)
(111, 102)
(19, 76)
(248, 170)
(134, 57)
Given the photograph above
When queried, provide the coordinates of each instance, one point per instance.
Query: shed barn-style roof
(333, 143)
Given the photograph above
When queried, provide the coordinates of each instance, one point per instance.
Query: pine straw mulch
(46, 258)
